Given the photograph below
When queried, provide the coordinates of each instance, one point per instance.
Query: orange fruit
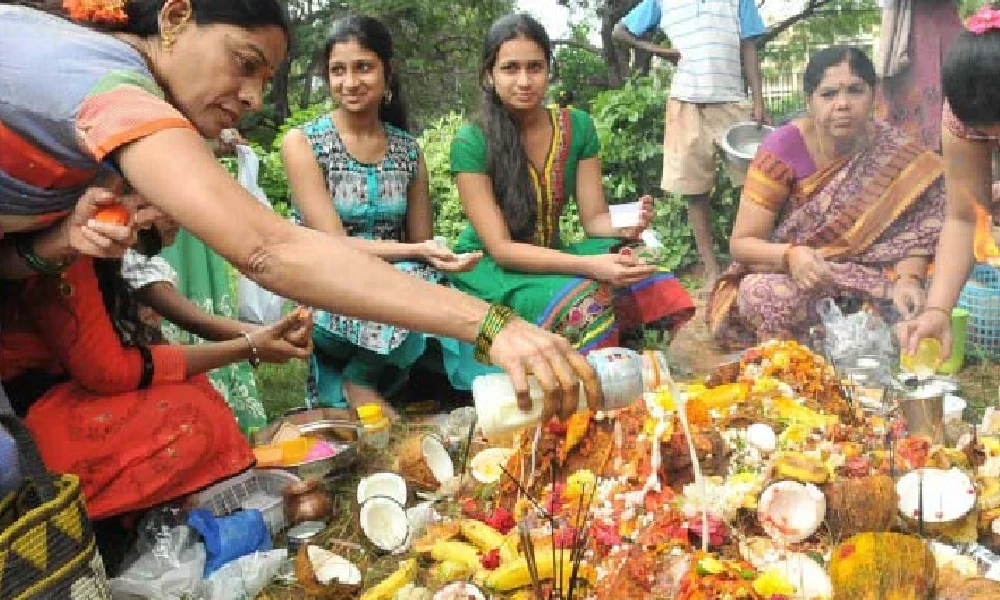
(115, 214)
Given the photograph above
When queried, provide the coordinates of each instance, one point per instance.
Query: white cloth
(139, 270)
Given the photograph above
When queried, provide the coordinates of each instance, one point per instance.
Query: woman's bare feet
(357, 395)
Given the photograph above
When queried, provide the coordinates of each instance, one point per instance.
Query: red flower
(606, 534)
(502, 520)
(491, 560)
(564, 538)
(987, 19)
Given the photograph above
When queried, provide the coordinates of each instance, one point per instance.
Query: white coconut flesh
(486, 466)
(438, 460)
(382, 484)
(459, 590)
(762, 437)
(947, 495)
(332, 568)
(384, 523)
(790, 511)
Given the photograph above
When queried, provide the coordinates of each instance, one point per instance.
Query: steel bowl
(342, 433)
(740, 143)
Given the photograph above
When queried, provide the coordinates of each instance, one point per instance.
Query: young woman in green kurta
(516, 169)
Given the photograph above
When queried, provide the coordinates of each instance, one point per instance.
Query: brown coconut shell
(413, 466)
(969, 589)
(314, 589)
(859, 505)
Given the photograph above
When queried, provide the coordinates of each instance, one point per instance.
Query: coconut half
(332, 568)
(460, 590)
(384, 523)
(809, 578)
(425, 462)
(389, 485)
(947, 495)
(790, 511)
(486, 465)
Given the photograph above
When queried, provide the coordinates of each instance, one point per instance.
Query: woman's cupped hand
(101, 225)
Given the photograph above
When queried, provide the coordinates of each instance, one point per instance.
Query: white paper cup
(626, 215)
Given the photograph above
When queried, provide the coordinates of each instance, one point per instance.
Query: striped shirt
(707, 33)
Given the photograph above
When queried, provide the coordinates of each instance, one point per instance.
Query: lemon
(925, 361)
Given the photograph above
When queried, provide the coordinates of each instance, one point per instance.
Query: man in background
(712, 43)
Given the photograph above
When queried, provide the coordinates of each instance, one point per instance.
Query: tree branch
(810, 9)
(578, 44)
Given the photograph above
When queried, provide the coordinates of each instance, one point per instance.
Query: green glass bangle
(496, 318)
(23, 247)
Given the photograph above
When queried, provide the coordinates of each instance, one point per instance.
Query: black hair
(123, 307)
(859, 63)
(373, 36)
(506, 158)
(144, 15)
(969, 80)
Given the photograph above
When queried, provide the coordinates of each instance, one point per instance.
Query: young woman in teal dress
(356, 172)
(517, 168)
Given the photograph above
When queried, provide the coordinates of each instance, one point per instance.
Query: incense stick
(529, 558)
(681, 403)
(468, 449)
(527, 495)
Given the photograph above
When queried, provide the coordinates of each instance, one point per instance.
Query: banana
(448, 571)
(459, 552)
(514, 575)
(385, 590)
(509, 550)
(482, 535)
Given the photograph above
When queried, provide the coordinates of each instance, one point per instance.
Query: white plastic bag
(168, 570)
(245, 577)
(257, 305)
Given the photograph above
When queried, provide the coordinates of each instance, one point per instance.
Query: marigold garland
(110, 12)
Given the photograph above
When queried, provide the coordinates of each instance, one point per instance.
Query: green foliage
(834, 21)
(449, 217)
(579, 73)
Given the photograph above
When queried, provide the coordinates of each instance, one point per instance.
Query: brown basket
(47, 546)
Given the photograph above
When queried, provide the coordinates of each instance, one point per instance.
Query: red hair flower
(987, 19)
(109, 12)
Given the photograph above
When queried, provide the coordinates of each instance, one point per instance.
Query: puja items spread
(772, 483)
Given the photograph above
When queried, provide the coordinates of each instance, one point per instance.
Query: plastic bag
(170, 567)
(257, 305)
(231, 537)
(858, 338)
(245, 578)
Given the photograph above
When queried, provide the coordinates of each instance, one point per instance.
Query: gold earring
(168, 38)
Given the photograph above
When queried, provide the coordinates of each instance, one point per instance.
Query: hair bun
(107, 12)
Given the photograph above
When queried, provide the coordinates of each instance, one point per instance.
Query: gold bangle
(943, 311)
(496, 318)
(786, 257)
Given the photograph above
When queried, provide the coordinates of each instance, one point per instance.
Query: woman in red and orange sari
(835, 205)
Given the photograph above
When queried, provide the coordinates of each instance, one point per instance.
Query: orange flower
(110, 12)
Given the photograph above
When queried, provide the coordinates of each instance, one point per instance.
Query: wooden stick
(527, 495)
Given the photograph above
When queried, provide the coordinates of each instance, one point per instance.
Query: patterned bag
(47, 546)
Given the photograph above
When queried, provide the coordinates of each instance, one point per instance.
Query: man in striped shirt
(712, 41)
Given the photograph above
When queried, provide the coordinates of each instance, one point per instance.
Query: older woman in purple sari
(835, 205)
